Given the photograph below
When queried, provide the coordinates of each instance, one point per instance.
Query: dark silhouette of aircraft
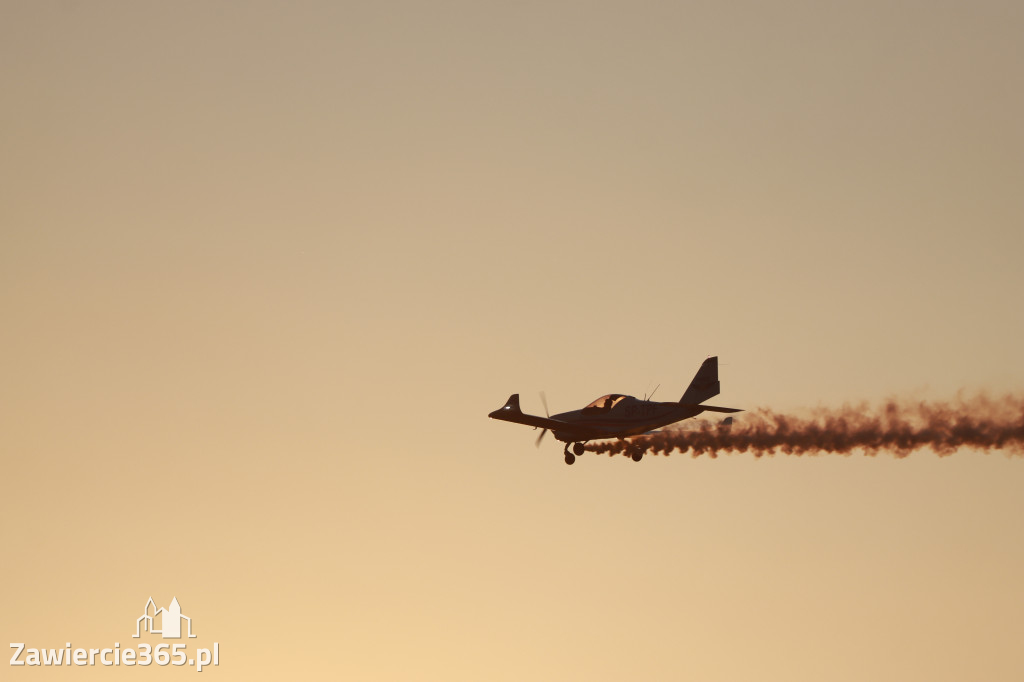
(620, 416)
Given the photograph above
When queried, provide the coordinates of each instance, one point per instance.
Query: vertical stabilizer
(704, 385)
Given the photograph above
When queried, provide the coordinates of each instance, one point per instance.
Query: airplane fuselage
(618, 416)
(628, 417)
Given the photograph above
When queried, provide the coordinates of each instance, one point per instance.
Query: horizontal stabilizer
(711, 408)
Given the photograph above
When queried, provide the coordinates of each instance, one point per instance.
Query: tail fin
(704, 385)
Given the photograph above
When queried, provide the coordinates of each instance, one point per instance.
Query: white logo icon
(170, 621)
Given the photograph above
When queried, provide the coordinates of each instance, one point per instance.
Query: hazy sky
(266, 267)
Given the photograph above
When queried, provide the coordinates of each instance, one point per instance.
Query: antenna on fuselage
(653, 392)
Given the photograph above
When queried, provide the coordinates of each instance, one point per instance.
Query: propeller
(543, 399)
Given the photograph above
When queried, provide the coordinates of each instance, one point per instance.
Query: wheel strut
(569, 457)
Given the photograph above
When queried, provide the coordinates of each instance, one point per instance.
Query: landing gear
(636, 452)
(577, 448)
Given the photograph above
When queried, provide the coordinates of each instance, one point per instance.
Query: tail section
(704, 385)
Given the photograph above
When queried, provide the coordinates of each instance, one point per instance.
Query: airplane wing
(510, 412)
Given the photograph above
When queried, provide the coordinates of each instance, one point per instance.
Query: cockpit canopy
(603, 404)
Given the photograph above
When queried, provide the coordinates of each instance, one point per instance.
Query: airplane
(620, 416)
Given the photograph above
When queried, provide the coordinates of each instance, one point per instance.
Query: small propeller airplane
(620, 416)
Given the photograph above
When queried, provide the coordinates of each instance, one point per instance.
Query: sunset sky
(266, 267)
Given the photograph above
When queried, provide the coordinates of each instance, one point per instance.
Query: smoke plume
(898, 427)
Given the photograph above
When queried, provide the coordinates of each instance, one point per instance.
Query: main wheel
(638, 455)
(578, 448)
(569, 458)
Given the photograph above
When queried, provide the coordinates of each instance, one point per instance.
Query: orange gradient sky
(266, 267)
